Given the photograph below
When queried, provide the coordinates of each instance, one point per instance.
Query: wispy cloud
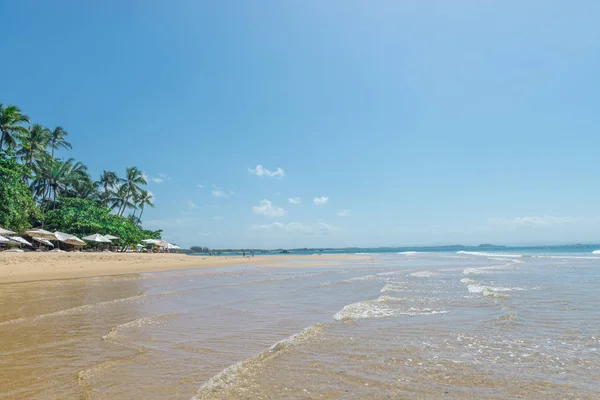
(266, 208)
(320, 228)
(218, 192)
(321, 200)
(343, 213)
(262, 171)
(192, 204)
(200, 186)
(160, 178)
(295, 200)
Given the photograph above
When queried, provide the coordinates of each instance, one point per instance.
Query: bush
(17, 208)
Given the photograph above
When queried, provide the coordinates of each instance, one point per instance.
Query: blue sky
(411, 122)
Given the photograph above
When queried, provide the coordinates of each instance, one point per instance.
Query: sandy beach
(24, 267)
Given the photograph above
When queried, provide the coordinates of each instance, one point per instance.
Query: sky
(326, 124)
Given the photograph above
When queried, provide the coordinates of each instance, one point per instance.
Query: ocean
(470, 323)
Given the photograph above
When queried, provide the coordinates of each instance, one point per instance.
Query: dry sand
(30, 266)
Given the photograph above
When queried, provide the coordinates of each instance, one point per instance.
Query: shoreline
(32, 266)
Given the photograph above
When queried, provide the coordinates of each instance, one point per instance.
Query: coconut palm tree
(11, 125)
(33, 144)
(108, 181)
(145, 198)
(57, 140)
(133, 179)
(122, 199)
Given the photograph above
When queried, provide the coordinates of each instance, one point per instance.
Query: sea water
(460, 324)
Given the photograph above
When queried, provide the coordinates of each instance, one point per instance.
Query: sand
(30, 266)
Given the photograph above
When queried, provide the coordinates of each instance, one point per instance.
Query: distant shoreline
(33, 266)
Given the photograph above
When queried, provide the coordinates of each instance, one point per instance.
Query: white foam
(379, 308)
(596, 252)
(360, 278)
(393, 287)
(482, 254)
(408, 253)
(137, 323)
(488, 291)
(424, 274)
(228, 376)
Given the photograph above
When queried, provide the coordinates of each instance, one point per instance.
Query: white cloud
(321, 200)
(218, 218)
(262, 171)
(319, 229)
(200, 186)
(160, 178)
(343, 213)
(295, 200)
(218, 192)
(266, 208)
(191, 204)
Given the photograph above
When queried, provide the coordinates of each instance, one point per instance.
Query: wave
(488, 291)
(408, 253)
(136, 323)
(226, 378)
(424, 274)
(393, 287)
(79, 309)
(477, 253)
(380, 308)
(596, 252)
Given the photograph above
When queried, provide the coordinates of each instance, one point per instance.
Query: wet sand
(25, 267)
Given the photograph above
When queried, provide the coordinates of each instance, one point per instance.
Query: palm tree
(122, 199)
(33, 144)
(133, 179)
(57, 139)
(144, 199)
(108, 181)
(11, 125)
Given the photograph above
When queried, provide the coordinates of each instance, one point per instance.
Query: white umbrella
(111, 237)
(97, 238)
(156, 242)
(4, 232)
(69, 239)
(172, 246)
(43, 241)
(41, 233)
(20, 240)
(4, 240)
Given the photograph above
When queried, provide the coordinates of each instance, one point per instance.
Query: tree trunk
(141, 212)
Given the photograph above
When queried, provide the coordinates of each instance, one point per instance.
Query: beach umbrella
(20, 240)
(41, 233)
(4, 240)
(156, 242)
(4, 232)
(111, 237)
(43, 241)
(96, 237)
(69, 239)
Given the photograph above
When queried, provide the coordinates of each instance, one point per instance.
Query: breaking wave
(226, 378)
(384, 306)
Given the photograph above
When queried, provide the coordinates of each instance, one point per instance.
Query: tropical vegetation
(39, 189)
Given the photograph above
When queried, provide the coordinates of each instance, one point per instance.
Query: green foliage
(17, 208)
(81, 217)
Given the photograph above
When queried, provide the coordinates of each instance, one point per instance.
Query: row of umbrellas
(44, 236)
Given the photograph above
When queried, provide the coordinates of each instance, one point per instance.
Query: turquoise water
(526, 250)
